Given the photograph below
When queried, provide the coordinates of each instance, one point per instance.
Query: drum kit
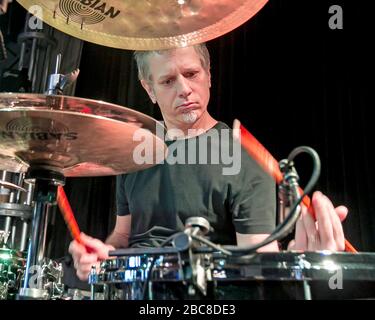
(45, 138)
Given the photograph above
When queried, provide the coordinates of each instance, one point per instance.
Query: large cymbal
(145, 24)
(74, 136)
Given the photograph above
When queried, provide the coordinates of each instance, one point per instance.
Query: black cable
(316, 162)
(212, 245)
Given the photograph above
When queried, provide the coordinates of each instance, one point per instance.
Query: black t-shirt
(227, 187)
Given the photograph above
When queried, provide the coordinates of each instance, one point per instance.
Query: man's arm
(119, 238)
(245, 240)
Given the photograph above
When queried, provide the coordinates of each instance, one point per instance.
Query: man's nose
(184, 89)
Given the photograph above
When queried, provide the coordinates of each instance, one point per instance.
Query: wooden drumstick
(269, 164)
(68, 215)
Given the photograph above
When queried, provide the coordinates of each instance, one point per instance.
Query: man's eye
(167, 82)
(190, 74)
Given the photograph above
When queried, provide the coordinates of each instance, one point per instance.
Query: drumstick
(269, 164)
(68, 215)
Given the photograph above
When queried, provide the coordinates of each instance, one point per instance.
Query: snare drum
(290, 275)
(12, 266)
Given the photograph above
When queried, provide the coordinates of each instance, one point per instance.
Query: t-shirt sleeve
(254, 199)
(122, 204)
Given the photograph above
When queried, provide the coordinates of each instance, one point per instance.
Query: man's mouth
(187, 105)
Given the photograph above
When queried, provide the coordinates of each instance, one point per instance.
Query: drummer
(241, 206)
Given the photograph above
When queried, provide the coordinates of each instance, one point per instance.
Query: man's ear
(149, 90)
(209, 78)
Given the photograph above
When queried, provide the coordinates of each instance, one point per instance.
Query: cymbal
(144, 24)
(76, 137)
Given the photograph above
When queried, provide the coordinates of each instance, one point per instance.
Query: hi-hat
(144, 24)
(76, 137)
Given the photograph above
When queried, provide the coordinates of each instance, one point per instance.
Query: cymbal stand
(35, 286)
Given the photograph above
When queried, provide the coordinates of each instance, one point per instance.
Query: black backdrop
(290, 79)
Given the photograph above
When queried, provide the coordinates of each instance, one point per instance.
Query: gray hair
(141, 57)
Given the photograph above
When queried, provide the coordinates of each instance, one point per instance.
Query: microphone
(196, 227)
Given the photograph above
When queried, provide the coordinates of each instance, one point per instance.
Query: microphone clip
(288, 189)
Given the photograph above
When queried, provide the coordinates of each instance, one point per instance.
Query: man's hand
(83, 260)
(324, 234)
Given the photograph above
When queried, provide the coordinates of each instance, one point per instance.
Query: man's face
(179, 84)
